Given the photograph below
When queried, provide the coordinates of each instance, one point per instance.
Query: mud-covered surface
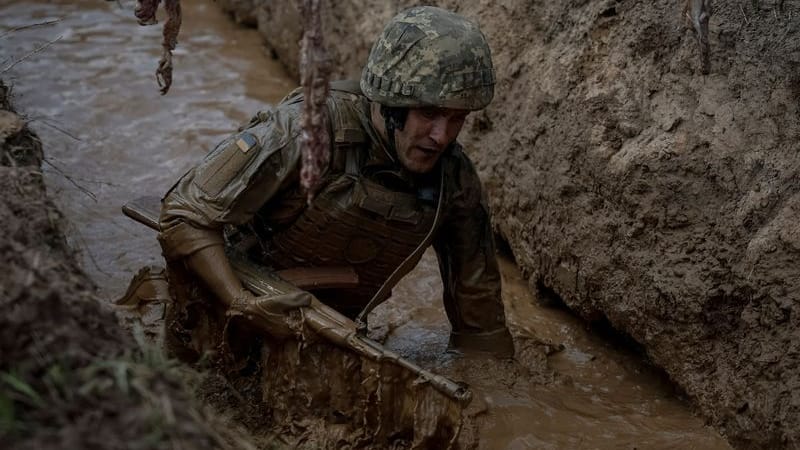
(129, 142)
(322, 396)
(567, 387)
(674, 211)
(70, 377)
(636, 189)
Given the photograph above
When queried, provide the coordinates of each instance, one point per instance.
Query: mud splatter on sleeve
(237, 178)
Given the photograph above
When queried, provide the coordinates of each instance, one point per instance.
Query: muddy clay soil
(589, 395)
(70, 376)
(635, 189)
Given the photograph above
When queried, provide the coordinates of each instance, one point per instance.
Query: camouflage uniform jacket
(251, 180)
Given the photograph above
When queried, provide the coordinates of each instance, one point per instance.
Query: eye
(429, 113)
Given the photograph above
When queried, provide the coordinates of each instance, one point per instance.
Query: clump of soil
(70, 376)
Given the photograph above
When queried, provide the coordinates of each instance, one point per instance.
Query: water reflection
(109, 135)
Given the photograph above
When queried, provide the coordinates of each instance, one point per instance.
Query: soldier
(397, 182)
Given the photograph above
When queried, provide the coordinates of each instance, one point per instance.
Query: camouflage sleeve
(233, 181)
(466, 251)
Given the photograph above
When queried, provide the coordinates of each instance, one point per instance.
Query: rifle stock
(325, 321)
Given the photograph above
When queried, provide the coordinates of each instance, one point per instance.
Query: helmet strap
(394, 119)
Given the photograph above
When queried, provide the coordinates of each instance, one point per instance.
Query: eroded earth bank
(607, 156)
(633, 187)
(70, 376)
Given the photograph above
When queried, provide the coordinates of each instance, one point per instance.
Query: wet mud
(111, 137)
(321, 396)
(70, 376)
(569, 387)
(642, 186)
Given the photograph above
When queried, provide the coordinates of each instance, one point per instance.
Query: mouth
(429, 151)
(421, 159)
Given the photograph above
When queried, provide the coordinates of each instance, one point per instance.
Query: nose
(440, 132)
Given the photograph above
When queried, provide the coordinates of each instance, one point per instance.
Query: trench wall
(70, 376)
(633, 186)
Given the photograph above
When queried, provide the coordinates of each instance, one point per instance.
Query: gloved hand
(270, 313)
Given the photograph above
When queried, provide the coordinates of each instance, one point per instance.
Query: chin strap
(394, 119)
(411, 260)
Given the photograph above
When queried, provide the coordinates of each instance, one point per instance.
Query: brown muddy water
(109, 137)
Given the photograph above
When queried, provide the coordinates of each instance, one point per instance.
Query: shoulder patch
(349, 136)
(246, 141)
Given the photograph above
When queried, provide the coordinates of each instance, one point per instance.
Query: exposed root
(315, 70)
(33, 25)
(698, 13)
(29, 54)
(146, 13)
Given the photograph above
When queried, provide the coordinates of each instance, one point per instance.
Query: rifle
(325, 321)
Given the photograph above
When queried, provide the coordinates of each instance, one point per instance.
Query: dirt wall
(636, 188)
(70, 376)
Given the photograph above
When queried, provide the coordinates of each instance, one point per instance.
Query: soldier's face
(426, 135)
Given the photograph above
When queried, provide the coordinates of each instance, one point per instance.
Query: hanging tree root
(146, 13)
(698, 13)
(315, 69)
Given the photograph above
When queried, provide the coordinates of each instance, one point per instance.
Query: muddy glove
(272, 314)
(497, 343)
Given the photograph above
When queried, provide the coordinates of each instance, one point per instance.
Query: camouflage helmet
(427, 56)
